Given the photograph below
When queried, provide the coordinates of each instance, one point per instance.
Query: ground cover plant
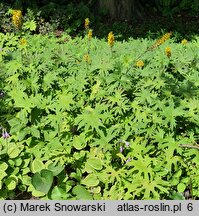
(83, 118)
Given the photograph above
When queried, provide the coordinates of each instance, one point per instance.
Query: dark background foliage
(127, 18)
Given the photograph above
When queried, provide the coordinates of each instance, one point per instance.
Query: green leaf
(14, 121)
(96, 163)
(21, 99)
(122, 157)
(58, 194)
(79, 142)
(177, 196)
(26, 180)
(177, 174)
(11, 182)
(42, 181)
(91, 118)
(18, 161)
(23, 116)
(35, 132)
(55, 169)
(185, 180)
(3, 166)
(142, 166)
(13, 150)
(30, 25)
(95, 90)
(35, 192)
(15, 124)
(88, 168)
(181, 187)
(106, 137)
(91, 180)
(96, 189)
(22, 133)
(81, 193)
(2, 175)
(49, 136)
(49, 78)
(37, 165)
(65, 100)
(174, 181)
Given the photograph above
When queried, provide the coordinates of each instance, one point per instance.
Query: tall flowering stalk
(87, 59)
(90, 34)
(140, 64)
(23, 41)
(168, 52)
(86, 23)
(184, 41)
(23, 46)
(160, 41)
(17, 18)
(111, 39)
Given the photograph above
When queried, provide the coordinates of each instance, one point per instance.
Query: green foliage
(100, 130)
(169, 7)
(42, 181)
(46, 18)
(194, 5)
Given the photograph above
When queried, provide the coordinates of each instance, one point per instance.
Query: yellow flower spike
(86, 23)
(111, 39)
(168, 51)
(90, 34)
(161, 40)
(184, 41)
(23, 41)
(140, 63)
(17, 18)
(87, 58)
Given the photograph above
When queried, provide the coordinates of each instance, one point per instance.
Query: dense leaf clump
(83, 120)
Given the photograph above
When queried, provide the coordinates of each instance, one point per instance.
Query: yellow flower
(164, 38)
(17, 18)
(184, 41)
(161, 40)
(87, 58)
(86, 23)
(90, 34)
(111, 39)
(168, 51)
(139, 63)
(23, 41)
